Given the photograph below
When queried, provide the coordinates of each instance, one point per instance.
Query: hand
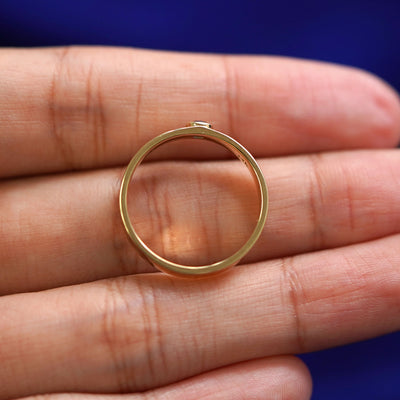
(324, 272)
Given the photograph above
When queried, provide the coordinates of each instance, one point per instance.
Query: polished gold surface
(196, 130)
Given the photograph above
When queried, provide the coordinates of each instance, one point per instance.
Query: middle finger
(72, 222)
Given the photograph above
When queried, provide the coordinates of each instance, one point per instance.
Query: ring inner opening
(190, 210)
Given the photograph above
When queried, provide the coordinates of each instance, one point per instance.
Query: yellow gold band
(197, 130)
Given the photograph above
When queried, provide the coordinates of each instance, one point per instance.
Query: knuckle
(126, 260)
(231, 88)
(316, 199)
(131, 334)
(384, 121)
(350, 220)
(76, 106)
(94, 111)
(57, 105)
(294, 292)
(333, 201)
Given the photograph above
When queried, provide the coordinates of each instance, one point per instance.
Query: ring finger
(143, 331)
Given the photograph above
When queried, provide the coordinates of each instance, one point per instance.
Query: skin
(83, 317)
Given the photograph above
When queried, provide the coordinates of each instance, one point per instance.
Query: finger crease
(138, 108)
(350, 201)
(119, 239)
(94, 113)
(203, 223)
(148, 310)
(316, 200)
(158, 331)
(56, 126)
(294, 292)
(158, 214)
(110, 330)
(230, 90)
(102, 117)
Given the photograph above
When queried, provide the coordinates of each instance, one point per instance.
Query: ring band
(196, 130)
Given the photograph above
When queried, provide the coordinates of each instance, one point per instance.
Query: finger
(144, 331)
(64, 230)
(272, 378)
(73, 108)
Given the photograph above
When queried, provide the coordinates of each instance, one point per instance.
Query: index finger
(77, 108)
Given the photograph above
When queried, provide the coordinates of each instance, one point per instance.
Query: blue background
(360, 33)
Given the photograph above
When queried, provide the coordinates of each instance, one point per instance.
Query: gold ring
(196, 130)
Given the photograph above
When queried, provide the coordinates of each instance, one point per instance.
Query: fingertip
(280, 377)
(293, 376)
(301, 379)
(384, 118)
